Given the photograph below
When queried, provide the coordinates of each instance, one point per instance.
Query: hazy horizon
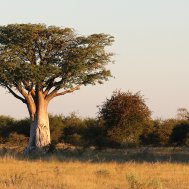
(151, 47)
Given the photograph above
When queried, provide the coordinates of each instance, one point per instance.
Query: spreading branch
(15, 95)
(55, 92)
(69, 90)
(34, 57)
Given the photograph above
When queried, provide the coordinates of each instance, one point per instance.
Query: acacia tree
(39, 63)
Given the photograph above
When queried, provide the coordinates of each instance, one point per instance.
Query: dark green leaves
(38, 55)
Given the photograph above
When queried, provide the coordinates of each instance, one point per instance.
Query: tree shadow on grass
(140, 155)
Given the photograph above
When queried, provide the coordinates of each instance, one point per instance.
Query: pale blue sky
(152, 49)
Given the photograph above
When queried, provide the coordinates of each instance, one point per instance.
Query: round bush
(124, 116)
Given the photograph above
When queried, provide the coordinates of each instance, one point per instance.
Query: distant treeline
(124, 120)
(92, 132)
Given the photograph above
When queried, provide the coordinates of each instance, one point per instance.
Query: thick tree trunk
(39, 129)
(42, 133)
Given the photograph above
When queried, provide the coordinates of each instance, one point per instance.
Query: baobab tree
(39, 63)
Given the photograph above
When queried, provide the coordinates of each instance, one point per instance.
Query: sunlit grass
(52, 173)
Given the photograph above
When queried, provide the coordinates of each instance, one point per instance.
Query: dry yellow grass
(39, 174)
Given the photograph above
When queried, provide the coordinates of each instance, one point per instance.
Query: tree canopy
(35, 57)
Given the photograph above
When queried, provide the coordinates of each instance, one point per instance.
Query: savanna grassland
(97, 169)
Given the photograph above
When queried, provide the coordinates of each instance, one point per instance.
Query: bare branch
(69, 90)
(15, 95)
(55, 93)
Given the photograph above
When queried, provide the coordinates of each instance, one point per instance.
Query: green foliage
(73, 124)
(124, 116)
(82, 132)
(57, 127)
(74, 129)
(85, 132)
(22, 127)
(16, 139)
(6, 124)
(36, 55)
(159, 132)
(147, 136)
(180, 134)
(164, 130)
(70, 129)
(94, 133)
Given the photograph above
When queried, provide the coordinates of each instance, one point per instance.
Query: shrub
(79, 131)
(147, 137)
(159, 132)
(22, 127)
(6, 125)
(73, 129)
(73, 124)
(56, 128)
(75, 139)
(16, 139)
(180, 134)
(124, 116)
(94, 132)
(164, 130)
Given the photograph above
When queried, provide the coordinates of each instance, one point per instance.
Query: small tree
(39, 63)
(124, 115)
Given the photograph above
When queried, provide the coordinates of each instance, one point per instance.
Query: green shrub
(75, 139)
(124, 115)
(73, 124)
(147, 137)
(16, 139)
(56, 128)
(158, 132)
(94, 132)
(131, 129)
(74, 127)
(79, 131)
(22, 127)
(180, 134)
(164, 130)
(6, 125)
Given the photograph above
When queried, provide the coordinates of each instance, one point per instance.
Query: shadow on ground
(143, 154)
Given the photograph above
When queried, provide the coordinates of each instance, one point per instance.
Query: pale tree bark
(39, 127)
(37, 103)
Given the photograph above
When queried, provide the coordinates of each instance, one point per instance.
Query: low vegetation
(86, 132)
(124, 120)
(105, 169)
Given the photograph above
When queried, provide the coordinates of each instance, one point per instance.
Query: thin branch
(55, 93)
(15, 95)
(69, 90)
